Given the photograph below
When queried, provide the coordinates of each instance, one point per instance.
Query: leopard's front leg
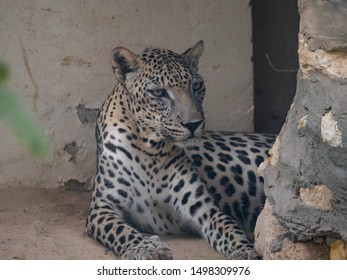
(221, 231)
(106, 225)
(225, 236)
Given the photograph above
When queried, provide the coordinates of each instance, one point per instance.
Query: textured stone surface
(273, 242)
(324, 24)
(306, 175)
(332, 64)
(319, 196)
(338, 250)
(87, 115)
(306, 161)
(330, 131)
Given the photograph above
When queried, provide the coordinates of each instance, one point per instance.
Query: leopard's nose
(193, 126)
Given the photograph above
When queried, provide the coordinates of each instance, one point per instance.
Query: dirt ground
(49, 224)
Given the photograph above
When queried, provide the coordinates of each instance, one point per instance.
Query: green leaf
(21, 124)
(4, 72)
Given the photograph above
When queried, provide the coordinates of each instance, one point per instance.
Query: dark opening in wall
(275, 34)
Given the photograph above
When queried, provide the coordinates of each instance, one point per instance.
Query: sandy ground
(49, 224)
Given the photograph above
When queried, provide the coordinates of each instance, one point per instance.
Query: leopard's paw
(150, 248)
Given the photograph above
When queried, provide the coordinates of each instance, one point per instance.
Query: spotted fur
(160, 173)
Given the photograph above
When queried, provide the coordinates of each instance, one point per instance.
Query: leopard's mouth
(188, 139)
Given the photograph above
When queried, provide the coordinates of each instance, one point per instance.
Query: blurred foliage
(15, 116)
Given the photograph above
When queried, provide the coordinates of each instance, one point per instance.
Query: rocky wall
(305, 215)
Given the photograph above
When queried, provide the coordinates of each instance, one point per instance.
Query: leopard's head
(164, 92)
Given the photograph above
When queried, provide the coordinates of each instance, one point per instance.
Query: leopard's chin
(185, 143)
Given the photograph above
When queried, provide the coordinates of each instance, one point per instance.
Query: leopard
(160, 172)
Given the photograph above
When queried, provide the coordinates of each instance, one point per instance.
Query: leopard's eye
(197, 86)
(158, 93)
(198, 89)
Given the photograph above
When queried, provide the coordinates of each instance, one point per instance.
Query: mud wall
(305, 216)
(58, 53)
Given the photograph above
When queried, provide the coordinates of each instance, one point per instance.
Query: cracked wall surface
(58, 53)
(305, 216)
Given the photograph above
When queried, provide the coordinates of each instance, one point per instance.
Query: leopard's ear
(192, 55)
(124, 62)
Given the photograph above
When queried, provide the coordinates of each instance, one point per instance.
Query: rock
(323, 23)
(338, 250)
(273, 244)
(330, 130)
(319, 196)
(306, 175)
